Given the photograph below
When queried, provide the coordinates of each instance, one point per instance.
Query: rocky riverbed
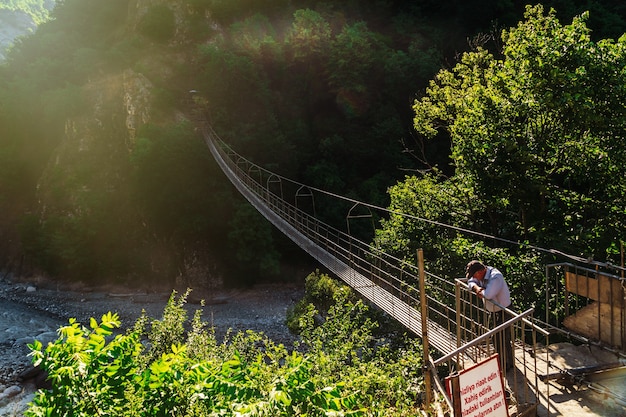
(35, 310)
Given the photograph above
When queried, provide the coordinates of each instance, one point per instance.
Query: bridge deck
(439, 337)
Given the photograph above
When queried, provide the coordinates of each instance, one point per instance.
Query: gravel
(35, 310)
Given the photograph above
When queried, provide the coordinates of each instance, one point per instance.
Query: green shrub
(320, 293)
(345, 350)
(176, 367)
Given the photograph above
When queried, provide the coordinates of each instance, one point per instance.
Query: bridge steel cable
(385, 281)
(391, 284)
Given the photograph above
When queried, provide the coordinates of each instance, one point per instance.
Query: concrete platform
(556, 392)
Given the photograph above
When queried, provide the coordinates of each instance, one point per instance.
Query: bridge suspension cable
(388, 282)
(455, 324)
(279, 178)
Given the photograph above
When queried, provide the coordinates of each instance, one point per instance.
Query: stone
(9, 393)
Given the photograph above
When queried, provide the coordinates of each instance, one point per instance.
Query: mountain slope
(18, 18)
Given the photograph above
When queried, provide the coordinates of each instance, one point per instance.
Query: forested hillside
(103, 177)
(19, 18)
(37, 9)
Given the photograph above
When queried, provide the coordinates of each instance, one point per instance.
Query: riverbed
(32, 310)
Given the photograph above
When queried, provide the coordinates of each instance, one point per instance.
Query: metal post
(456, 397)
(621, 251)
(623, 326)
(548, 295)
(457, 294)
(600, 307)
(424, 306)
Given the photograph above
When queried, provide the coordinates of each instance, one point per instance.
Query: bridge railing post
(424, 317)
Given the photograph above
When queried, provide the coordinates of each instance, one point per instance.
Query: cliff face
(100, 140)
(88, 182)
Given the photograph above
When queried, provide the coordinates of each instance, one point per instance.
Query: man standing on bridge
(488, 283)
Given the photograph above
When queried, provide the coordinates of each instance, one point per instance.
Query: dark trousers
(502, 341)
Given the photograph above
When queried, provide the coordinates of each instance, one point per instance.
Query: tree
(356, 64)
(251, 240)
(310, 35)
(538, 134)
(158, 23)
(38, 10)
(175, 185)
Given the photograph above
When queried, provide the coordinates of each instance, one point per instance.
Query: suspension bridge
(441, 311)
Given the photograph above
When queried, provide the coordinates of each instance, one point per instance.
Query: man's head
(472, 268)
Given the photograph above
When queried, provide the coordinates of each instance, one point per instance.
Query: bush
(164, 370)
(321, 291)
(345, 349)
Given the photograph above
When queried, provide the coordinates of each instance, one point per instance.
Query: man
(488, 283)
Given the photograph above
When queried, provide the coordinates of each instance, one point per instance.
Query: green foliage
(323, 80)
(250, 237)
(94, 373)
(174, 182)
(431, 202)
(422, 198)
(534, 134)
(42, 87)
(170, 329)
(356, 62)
(321, 291)
(320, 92)
(158, 23)
(36, 9)
(533, 146)
(86, 372)
(343, 346)
(228, 11)
(309, 35)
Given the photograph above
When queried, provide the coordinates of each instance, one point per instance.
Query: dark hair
(472, 268)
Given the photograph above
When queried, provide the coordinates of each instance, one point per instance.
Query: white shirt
(494, 288)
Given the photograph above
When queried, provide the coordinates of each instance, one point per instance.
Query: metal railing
(480, 336)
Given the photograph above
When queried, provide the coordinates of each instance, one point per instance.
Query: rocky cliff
(89, 173)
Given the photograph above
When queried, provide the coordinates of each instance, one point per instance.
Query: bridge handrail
(485, 336)
(508, 311)
(392, 284)
(397, 277)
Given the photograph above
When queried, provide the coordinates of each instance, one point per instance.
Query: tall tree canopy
(36, 9)
(319, 91)
(537, 142)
